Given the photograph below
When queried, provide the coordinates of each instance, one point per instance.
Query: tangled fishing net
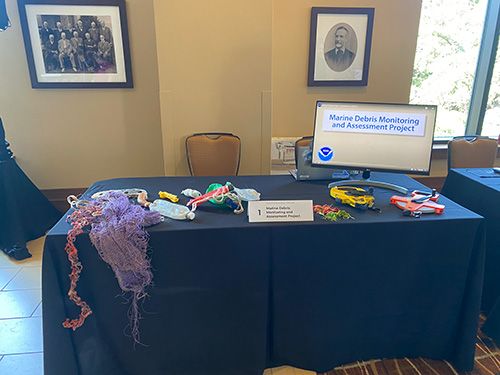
(117, 232)
(331, 213)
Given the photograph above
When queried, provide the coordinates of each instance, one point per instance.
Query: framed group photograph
(76, 43)
(340, 45)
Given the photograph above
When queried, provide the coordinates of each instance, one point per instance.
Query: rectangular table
(478, 189)
(233, 298)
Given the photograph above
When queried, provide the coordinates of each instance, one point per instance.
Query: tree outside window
(447, 51)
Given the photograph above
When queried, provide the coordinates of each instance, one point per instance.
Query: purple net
(118, 235)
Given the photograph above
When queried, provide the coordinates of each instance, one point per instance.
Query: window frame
(484, 69)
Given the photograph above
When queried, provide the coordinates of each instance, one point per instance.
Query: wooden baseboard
(58, 197)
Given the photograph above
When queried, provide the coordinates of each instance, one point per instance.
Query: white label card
(280, 211)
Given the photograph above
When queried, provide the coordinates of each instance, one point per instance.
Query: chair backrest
(213, 154)
(302, 142)
(472, 152)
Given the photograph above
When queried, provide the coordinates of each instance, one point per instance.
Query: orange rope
(79, 219)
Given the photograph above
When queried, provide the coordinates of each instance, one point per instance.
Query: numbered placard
(280, 211)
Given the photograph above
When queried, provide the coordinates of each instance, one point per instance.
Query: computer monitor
(374, 136)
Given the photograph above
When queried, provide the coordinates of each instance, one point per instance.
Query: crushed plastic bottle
(172, 210)
(247, 194)
(131, 193)
(191, 193)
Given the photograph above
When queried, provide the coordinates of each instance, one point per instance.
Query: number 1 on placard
(259, 212)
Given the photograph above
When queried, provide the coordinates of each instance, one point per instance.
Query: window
(491, 122)
(452, 61)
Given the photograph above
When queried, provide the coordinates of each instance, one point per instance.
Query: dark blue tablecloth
(479, 190)
(233, 298)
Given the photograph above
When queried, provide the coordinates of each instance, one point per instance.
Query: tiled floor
(21, 313)
(21, 350)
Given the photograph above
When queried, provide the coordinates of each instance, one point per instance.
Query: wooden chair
(213, 154)
(472, 152)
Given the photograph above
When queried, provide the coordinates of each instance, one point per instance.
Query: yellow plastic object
(171, 197)
(352, 196)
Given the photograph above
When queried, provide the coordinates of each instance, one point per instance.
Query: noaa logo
(325, 153)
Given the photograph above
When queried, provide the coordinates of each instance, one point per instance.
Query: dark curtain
(4, 19)
(25, 213)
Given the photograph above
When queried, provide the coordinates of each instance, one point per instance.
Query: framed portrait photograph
(76, 43)
(339, 48)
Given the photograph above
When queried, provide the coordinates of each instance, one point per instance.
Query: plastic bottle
(172, 210)
(247, 194)
(191, 193)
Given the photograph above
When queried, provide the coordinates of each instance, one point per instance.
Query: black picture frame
(335, 32)
(101, 61)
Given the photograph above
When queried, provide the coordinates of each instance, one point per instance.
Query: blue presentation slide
(347, 121)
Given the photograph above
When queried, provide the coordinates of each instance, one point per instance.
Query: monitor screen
(375, 136)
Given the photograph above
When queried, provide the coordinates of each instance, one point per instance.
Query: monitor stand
(366, 181)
